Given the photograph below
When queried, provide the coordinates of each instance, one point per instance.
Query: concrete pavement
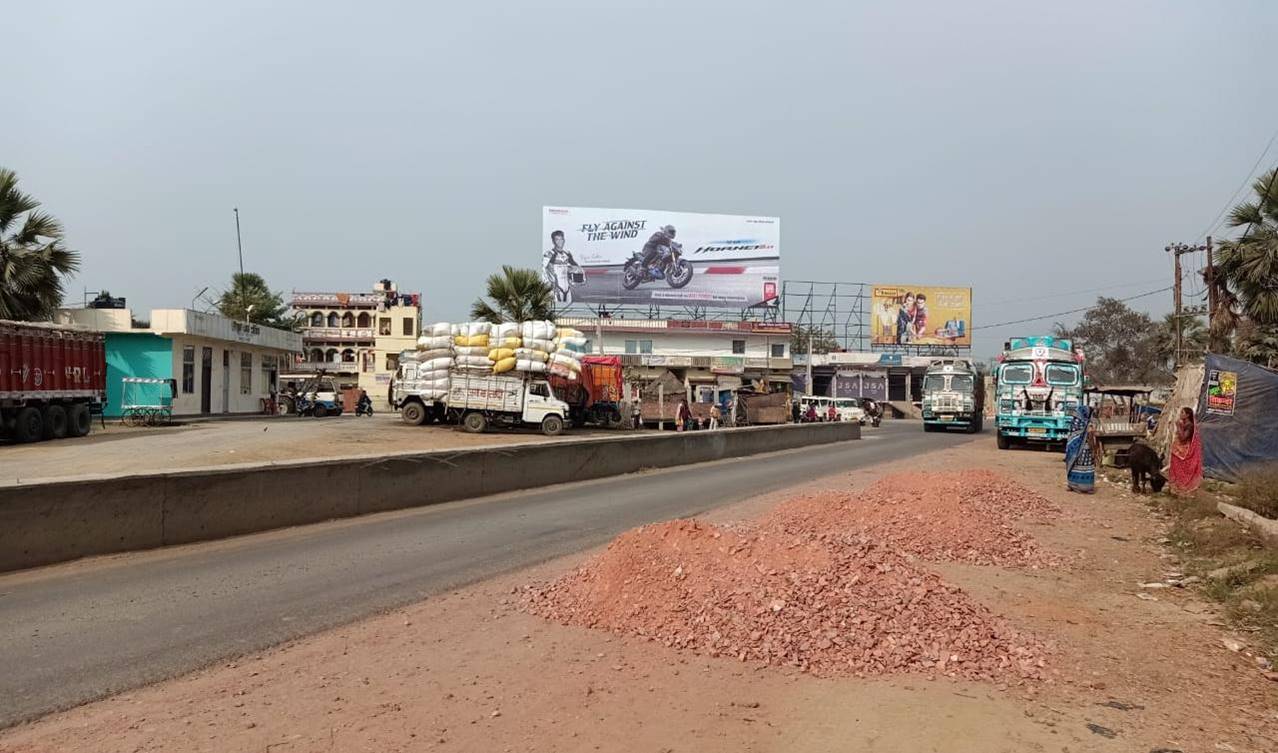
(73, 633)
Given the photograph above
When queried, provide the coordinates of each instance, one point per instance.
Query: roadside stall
(1122, 416)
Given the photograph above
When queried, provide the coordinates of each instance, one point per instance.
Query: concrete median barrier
(41, 524)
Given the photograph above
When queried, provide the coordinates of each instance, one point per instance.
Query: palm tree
(1248, 264)
(33, 260)
(1193, 333)
(251, 299)
(515, 295)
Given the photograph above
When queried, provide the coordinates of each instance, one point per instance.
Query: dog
(1145, 464)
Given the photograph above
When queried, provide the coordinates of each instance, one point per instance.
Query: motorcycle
(364, 407)
(669, 266)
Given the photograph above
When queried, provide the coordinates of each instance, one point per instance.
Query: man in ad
(558, 267)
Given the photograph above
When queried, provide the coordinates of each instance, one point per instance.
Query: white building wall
(694, 343)
(189, 403)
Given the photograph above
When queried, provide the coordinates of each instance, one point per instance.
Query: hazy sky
(1027, 149)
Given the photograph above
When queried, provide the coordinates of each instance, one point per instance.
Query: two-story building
(703, 358)
(212, 364)
(356, 337)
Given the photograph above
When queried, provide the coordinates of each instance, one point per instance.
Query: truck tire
(475, 422)
(55, 422)
(413, 413)
(320, 411)
(1003, 441)
(79, 420)
(28, 425)
(552, 426)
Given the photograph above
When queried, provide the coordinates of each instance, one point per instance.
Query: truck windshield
(1018, 373)
(961, 383)
(933, 383)
(1061, 374)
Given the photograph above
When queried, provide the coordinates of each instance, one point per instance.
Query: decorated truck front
(1038, 384)
(953, 396)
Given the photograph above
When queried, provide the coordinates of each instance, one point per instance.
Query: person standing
(905, 320)
(636, 414)
(1185, 467)
(715, 415)
(1081, 452)
(832, 413)
(556, 263)
(683, 416)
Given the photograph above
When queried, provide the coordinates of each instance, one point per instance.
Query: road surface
(73, 633)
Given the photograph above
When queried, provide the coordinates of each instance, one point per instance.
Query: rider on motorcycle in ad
(660, 243)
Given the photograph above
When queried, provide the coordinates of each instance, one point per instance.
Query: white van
(847, 408)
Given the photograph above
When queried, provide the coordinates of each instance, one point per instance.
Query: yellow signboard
(921, 315)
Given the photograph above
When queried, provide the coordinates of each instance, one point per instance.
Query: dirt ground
(121, 449)
(1134, 669)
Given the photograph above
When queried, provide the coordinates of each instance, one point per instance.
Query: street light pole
(239, 246)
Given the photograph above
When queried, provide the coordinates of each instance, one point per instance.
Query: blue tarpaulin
(1238, 416)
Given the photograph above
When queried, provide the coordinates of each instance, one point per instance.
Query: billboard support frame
(836, 307)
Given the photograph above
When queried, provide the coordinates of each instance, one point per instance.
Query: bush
(1258, 491)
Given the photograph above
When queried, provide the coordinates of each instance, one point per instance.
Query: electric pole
(1178, 250)
(239, 245)
(1211, 288)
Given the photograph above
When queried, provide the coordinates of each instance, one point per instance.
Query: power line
(1071, 311)
(1247, 179)
(1074, 292)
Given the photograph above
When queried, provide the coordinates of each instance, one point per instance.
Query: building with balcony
(704, 358)
(356, 337)
(213, 365)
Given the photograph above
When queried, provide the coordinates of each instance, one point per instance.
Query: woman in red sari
(1185, 470)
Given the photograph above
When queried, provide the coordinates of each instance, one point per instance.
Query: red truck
(52, 380)
(595, 397)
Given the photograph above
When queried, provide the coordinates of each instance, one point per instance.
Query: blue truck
(1037, 386)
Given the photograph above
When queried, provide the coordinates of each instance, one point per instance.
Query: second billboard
(635, 256)
(921, 315)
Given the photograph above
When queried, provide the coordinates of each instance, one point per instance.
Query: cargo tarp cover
(1238, 417)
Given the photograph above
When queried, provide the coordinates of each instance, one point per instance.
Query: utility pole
(1179, 327)
(239, 245)
(1211, 288)
(1178, 250)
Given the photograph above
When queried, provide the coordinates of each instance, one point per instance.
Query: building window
(738, 347)
(632, 347)
(364, 321)
(645, 346)
(348, 319)
(778, 350)
(383, 325)
(317, 319)
(246, 373)
(392, 361)
(188, 369)
(333, 321)
(408, 326)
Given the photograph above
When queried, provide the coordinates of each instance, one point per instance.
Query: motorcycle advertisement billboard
(921, 315)
(635, 256)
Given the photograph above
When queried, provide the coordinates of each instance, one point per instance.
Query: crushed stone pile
(835, 603)
(963, 516)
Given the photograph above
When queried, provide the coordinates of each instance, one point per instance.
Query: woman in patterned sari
(1081, 452)
(1185, 466)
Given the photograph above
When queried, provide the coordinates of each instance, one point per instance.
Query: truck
(479, 401)
(595, 396)
(52, 380)
(953, 396)
(1038, 385)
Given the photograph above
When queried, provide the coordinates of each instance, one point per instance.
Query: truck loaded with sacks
(480, 375)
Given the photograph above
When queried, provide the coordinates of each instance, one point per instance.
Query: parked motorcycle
(669, 266)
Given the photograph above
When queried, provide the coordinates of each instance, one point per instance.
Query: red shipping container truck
(595, 397)
(52, 379)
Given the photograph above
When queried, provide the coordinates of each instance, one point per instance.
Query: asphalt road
(73, 633)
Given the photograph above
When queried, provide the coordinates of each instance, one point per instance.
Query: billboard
(921, 315)
(636, 256)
